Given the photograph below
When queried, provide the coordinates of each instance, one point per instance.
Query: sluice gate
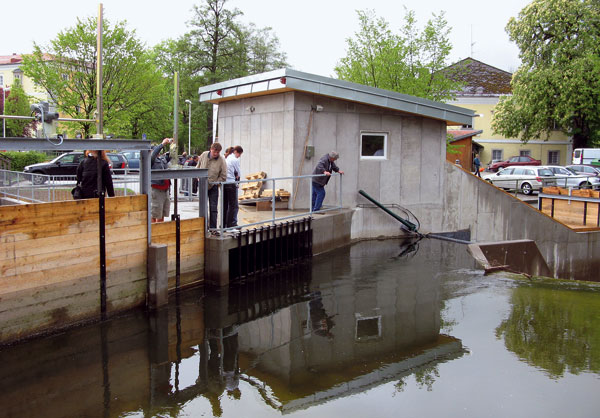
(268, 247)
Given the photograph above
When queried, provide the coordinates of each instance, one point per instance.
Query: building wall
(539, 149)
(274, 134)
(28, 85)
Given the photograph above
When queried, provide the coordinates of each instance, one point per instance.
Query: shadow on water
(335, 326)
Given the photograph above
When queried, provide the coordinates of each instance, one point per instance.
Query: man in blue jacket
(326, 165)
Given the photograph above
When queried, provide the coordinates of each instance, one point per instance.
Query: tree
(409, 62)
(558, 83)
(17, 103)
(66, 69)
(217, 48)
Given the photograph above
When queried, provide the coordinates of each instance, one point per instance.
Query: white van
(585, 155)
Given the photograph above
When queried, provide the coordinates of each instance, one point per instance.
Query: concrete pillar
(158, 280)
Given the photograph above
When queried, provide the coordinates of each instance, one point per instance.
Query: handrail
(274, 218)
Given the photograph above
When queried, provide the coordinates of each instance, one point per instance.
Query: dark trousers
(318, 195)
(230, 203)
(477, 172)
(213, 206)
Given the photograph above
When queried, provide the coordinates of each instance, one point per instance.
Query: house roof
(10, 59)
(286, 79)
(479, 79)
(459, 134)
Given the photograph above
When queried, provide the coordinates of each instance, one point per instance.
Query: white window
(497, 155)
(553, 157)
(373, 146)
(1, 79)
(525, 153)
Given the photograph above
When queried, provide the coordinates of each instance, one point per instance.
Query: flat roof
(286, 79)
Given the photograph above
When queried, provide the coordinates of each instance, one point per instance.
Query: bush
(20, 159)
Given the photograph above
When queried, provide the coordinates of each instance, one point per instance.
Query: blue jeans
(318, 195)
(213, 203)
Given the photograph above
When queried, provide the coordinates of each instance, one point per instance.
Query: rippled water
(378, 329)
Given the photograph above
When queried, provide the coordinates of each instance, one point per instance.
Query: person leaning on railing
(325, 166)
(161, 202)
(87, 175)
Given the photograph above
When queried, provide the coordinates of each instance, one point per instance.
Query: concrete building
(483, 87)
(391, 145)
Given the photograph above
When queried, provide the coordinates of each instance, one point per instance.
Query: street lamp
(189, 102)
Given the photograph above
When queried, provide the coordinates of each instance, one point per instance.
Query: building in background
(483, 87)
(10, 70)
(466, 148)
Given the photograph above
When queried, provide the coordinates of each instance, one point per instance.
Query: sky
(312, 33)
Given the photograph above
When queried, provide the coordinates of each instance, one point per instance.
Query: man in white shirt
(230, 197)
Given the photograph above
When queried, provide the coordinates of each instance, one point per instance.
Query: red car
(517, 160)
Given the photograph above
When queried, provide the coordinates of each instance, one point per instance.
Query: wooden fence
(49, 261)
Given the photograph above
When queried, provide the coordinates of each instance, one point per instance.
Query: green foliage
(558, 84)
(17, 103)
(20, 159)
(557, 331)
(217, 48)
(408, 62)
(450, 148)
(133, 89)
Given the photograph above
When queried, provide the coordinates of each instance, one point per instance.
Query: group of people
(219, 168)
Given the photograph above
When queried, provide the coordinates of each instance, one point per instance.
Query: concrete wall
(274, 135)
(493, 215)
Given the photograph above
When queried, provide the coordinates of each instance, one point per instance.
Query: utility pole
(189, 102)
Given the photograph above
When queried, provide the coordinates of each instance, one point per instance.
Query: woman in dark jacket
(87, 175)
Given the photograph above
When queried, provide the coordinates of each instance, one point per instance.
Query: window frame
(550, 162)
(501, 151)
(385, 146)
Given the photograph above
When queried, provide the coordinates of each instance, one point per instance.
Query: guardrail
(273, 180)
(574, 182)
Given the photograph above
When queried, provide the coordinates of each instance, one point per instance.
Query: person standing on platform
(87, 175)
(326, 165)
(161, 201)
(477, 165)
(230, 191)
(217, 172)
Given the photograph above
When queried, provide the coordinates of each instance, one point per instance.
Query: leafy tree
(558, 83)
(408, 62)
(217, 48)
(17, 103)
(132, 86)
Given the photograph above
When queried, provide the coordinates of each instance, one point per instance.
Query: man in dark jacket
(161, 201)
(326, 165)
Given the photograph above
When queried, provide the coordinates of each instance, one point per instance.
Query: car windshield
(570, 170)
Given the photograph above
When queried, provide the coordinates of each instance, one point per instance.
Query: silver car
(526, 179)
(567, 177)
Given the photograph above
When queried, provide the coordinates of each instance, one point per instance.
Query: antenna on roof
(472, 43)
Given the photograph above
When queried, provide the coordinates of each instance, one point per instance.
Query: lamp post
(4, 110)
(189, 102)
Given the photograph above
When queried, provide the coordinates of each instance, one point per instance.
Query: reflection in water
(359, 322)
(557, 331)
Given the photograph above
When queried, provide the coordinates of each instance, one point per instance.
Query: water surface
(377, 329)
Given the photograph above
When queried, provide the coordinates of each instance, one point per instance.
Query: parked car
(524, 178)
(585, 169)
(567, 177)
(66, 165)
(516, 160)
(133, 158)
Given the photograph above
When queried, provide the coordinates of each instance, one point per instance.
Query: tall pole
(176, 109)
(189, 102)
(99, 103)
(3, 111)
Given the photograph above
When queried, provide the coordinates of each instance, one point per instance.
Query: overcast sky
(312, 32)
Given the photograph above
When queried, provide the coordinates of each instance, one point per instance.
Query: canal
(376, 329)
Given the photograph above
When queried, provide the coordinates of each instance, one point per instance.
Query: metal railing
(273, 181)
(41, 188)
(516, 184)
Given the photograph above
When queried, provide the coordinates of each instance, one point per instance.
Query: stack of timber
(280, 194)
(252, 189)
